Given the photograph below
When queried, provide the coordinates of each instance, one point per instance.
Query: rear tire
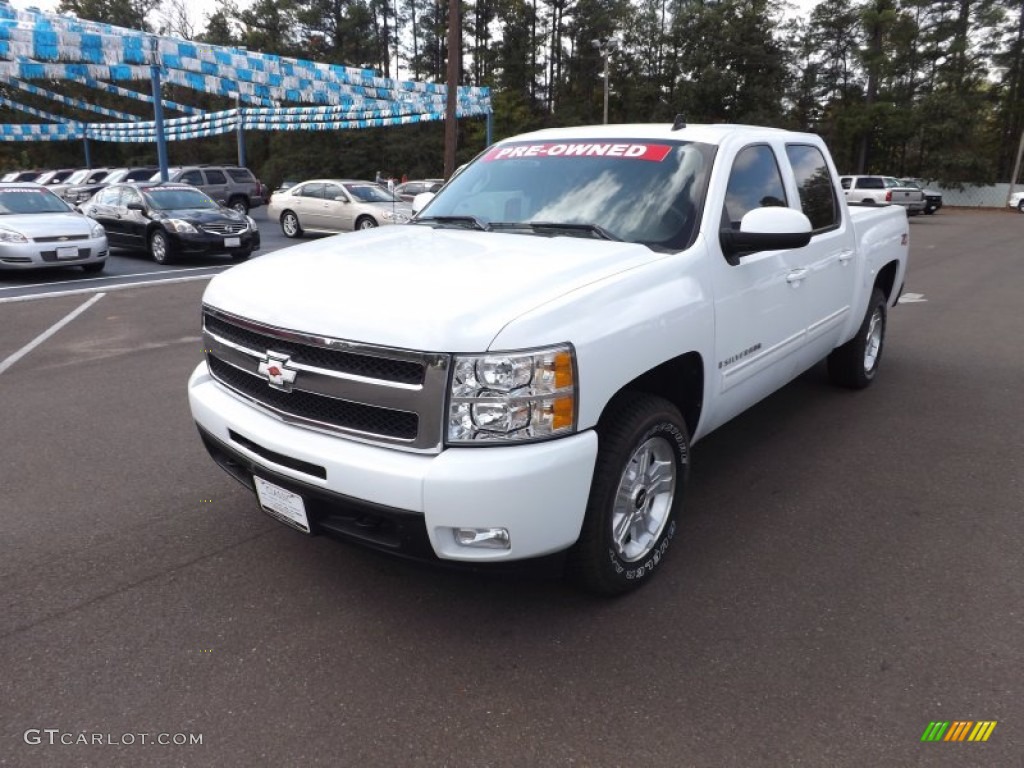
(365, 222)
(1020, 206)
(855, 364)
(239, 204)
(635, 497)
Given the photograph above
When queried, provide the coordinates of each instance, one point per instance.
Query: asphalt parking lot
(849, 570)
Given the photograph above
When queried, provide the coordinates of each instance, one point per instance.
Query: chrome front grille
(373, 394)
(231, 228)
(59, 238)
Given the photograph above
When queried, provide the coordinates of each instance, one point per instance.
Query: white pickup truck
(884, 190)
(523, 369)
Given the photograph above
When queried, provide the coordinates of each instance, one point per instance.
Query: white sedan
(335, 205)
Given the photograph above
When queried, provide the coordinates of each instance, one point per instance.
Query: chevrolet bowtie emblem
(274, 368)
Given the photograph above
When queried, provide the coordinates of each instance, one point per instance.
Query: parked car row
(231, 185)
(167, 219)
(131, 208)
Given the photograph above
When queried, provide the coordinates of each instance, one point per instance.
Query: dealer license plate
(282, 504)
(67, 252)
(232, 242)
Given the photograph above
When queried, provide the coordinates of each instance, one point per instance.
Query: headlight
(10, 236)
(178, 225)
(97, 230)
(512, 397)
(395, 217)
(252, 223)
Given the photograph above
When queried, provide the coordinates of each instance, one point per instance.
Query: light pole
(605, 46)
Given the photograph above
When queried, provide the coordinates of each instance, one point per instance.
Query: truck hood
(415, 287)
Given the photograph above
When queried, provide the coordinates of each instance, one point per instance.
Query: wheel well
(886, 280)
(680, 381)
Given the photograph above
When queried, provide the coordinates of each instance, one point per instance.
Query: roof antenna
(679, 123)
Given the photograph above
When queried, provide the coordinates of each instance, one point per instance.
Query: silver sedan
(335, 205)
(38, 229)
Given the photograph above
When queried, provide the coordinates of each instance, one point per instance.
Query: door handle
(845, 256)
(797, 275)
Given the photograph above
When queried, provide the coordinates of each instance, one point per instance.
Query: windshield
(177, 198)
(371, 193)
(28, 200)
(79, 176)
(636, 191)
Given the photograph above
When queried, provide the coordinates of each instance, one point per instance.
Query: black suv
(229, 185)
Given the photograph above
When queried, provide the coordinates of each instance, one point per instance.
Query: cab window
(755, 182)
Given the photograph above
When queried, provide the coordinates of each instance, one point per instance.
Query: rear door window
(814, 185)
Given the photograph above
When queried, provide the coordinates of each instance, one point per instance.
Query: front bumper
(34, 255)
(206, 244)
(409, 503)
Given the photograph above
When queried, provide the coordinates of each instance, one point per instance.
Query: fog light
(487, 538)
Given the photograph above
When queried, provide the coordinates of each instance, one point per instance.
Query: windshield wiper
(555, 228)
(472, 221)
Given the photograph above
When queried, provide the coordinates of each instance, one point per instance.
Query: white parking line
(48, 333)
(104, 277)
(121, 287)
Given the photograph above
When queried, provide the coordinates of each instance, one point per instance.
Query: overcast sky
(199, 8)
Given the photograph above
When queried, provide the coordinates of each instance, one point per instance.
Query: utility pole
(605, 46)
(1016, 168)
(451, 126)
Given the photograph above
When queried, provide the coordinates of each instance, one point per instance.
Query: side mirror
(773, 228)
(420, 201)
(340, 198)
(135, 207)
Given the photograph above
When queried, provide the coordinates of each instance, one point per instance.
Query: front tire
(366, 222)
(160, 247)
(1020, 206)
(290, 225)
(636, 495)
(855, 364)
